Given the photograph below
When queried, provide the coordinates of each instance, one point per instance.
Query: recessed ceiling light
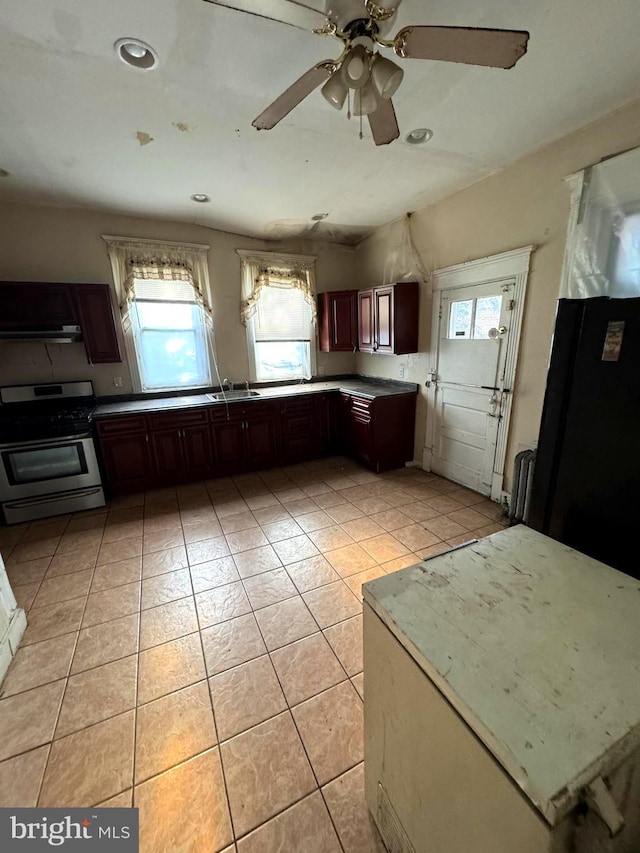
(200, 197)
(418, 136)
(136, 53)
(318, 217)
(4, 173)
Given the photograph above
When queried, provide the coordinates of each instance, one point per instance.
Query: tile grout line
(64, 692)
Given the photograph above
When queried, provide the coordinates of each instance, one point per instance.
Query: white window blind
(164, 291)
(282, 314)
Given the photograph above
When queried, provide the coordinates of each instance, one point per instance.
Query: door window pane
(460, 319)
(487, 315)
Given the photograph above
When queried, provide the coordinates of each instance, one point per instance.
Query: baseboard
(11, 640)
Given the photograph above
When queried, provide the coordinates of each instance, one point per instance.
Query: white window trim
(248, 256)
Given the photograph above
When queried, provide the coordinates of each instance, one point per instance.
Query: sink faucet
(227, 385)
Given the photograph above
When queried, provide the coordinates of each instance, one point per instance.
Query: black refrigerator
(586, 483)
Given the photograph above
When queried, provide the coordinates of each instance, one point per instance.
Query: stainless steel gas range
(48, 462)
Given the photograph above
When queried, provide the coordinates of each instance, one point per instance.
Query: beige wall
(53, 244)
(527, 203)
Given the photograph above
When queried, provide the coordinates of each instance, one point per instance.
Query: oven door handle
(46, 442)
(48, 499)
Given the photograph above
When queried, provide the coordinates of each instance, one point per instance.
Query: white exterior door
(475, 336)
(469, 382)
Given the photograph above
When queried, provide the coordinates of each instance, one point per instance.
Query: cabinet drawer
(120, 426)
(177, 419)
(297, 404)
(361, 405)
(237, 411)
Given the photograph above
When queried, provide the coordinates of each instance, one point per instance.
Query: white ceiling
(70, 110)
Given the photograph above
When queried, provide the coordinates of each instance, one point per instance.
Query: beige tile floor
(197, 652)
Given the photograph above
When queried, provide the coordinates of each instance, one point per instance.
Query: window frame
(253, 364)
(202, 335)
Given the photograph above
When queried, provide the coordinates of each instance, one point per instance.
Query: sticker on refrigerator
(613, 340)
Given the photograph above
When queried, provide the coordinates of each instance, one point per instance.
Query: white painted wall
(56, 244)
(527, 203)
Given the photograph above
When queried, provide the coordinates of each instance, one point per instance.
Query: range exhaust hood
(50, 334)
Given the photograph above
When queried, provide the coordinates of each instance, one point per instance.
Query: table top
(536, 646)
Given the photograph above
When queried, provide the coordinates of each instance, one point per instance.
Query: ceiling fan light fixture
(334, 91)
(137, 54)
(365, 100)
(386, 76)
(355, 68)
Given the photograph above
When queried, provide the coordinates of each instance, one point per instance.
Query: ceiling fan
(361, 74)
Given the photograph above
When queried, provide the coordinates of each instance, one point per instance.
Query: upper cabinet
(338, 321)
(95, 318)
(42, 304)
(388, 318)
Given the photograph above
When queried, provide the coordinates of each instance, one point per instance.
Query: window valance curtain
(285, 272)
(154, 260)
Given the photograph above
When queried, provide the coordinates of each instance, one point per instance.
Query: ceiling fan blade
(471, 45)
(383, 122)
(296, 93)
(291, 12)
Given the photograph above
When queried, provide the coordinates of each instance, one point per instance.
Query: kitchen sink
(233, 395)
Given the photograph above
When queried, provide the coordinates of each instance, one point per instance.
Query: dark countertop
(364, 387)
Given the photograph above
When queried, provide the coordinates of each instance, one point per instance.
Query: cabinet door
(261, 440)
(365, 321)
(383, 319)
(229, 447)
(128, 462)
(337, 317)
(300, 429)
(95, 313)
(329, 416)
(196, 442)
(167, 452)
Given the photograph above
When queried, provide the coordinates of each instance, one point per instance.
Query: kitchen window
(278, 309)
(169, 336)
(164, 296)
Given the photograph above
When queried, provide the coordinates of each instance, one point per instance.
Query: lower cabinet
(379, 433)
(127, 462)
(141, 452)
(245, 437)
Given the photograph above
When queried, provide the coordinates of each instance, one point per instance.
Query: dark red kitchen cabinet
(96, 319)
(389, 318)
(330, 418)
(39, 304)
(197, 450)
(379, 432)
(299, 428)
(167, 452)
(365, 321)
(181, 444)
(128, 462)
(245, 437)
(338, 321)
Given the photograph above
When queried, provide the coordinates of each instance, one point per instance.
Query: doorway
(477, 319)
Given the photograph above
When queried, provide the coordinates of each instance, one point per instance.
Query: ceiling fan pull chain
(349, 104)
(361, 134)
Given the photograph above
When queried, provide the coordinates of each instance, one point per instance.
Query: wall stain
(182, 126)
(143, 138)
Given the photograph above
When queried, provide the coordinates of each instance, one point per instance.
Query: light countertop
(537, 648)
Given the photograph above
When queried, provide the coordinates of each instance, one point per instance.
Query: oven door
(47, 467)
